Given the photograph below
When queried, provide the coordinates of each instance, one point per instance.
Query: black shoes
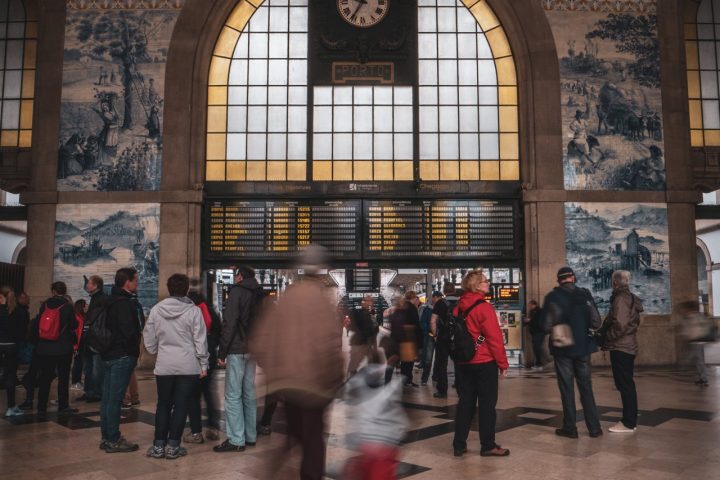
(121, 446)
(265, 430)
(67, 411)
(439, 395)
(226, 446)
(561, 432)
(26, 405)
(459, 452)
(498, 451)
(702, 383)
(597, 434)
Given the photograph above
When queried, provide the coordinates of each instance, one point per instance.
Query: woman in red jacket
(477, 380)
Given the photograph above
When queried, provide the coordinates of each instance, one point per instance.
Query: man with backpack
(93, 360)
(54, 330)
(241, 309)
(442, 308)
(569, 316)
(119, 356)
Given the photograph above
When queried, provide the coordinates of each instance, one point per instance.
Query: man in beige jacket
(299, 347)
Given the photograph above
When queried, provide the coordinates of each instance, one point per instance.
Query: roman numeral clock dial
(363, 13)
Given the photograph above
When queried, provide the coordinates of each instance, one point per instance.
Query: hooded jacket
(238, 309)
(175, 331)
(623, 321)
(482, 320)
(124, 323)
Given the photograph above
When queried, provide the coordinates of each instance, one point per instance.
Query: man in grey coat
(239, 314)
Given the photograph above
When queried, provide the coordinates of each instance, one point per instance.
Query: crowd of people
(191, 342)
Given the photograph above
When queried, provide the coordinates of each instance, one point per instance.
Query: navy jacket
(124, 323)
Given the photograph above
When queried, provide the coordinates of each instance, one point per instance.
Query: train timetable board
(440, 229)
(278, 229)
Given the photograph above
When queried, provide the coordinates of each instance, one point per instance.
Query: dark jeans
(95, 387)
(271, 402)
(623, 366)
(77, 368)
(428, 354)
(579, 369)
(406, 370)
(175, 393)
(538, 340)
(478, 389)
(440, 370)
(31, 379)
(9, 361)
(204, 390)
(48, 365)
(306, 426)
(116, 377)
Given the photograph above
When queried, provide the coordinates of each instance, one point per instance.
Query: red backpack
(49, 326)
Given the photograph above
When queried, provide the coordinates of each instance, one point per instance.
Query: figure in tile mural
(112, 104)
(610, 89)
(603, 237)
(90, 240)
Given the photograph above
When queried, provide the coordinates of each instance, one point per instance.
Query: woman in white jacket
(175, 331)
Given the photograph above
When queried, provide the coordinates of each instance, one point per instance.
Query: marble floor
(677, 437)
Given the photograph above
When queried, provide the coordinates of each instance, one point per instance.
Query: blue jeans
(428, 352)
(116, 377)
(240, 399)
(94, 387)
(578, 369)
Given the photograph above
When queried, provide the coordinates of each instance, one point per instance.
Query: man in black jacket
(93, 360)
(55, 354)
(568, 304)
(120, 359)
(240, 397)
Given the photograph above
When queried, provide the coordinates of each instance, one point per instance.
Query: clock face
(362, 13)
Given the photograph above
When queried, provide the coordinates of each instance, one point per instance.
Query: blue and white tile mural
(603, 237)
(95, 240)
(612, 120)
(112, 97)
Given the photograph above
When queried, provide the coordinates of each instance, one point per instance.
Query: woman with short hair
(621, 327)
(175, 331)
(477, 379)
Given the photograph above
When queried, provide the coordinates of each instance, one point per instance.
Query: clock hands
(360, 4)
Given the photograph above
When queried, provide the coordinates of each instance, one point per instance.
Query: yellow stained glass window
(18, 50)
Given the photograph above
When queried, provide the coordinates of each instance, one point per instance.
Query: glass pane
(489, 149)
(256, 146)
(428, 96)
(214, 171)
(487, 96)
(362, 146)
(13, 82)
(403, 146)
(298, 45)
(446, 19)
(383, 95)
(241, 48)
(429, 146)
(711, 114)
(257, 119)
(469, 146)
(363, 95)
(488, 119)
(486, 72)
(278, 19)
(448, 119)
(322, 146)
(468, 95)
(323, 95)
(2, 53)
(468, 119)
(259, 20)
(448, 95)
(428, 119)
(467, 45)
(277, 119)
(427, 72)
(17, 12)
(705, 12)
(277, 95)
(342, 146)
(342, 119)
(706, 32)
(237, 119)
(258, 45)
(362, 170)
(238, 72)
(707, 55)
(483, 47)
(11, 114)
(383, 146)
(709, 84)
(427, 45)
(14, 54)
(362, 118)
(256, 171)
(447, 46)
(278, 72)
(276, 146)
(467, 72)
(278, 46)
(16, 30)
(297, 149)
(342, 170)
(257, 72)
(343, 96)
(298, 19)
(426, 20)
(383, 119)
(237, 95)
(322, 119)
(236, 146)
(403, 96)
(465, 21)
(298, 72)
(322, 171)
(448, 72)
(403, 119)
(429, 170)
(297, 119)
(257, 95)
(449, 146)
(297, 96)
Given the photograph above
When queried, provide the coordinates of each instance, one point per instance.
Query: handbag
(562, 336)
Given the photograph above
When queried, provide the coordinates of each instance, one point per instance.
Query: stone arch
(19, 251)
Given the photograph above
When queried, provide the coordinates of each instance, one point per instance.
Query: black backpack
(461, 344)
(97, 335)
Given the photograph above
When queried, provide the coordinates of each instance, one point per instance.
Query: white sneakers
(76, 386)
(14, 411)
(620, 428)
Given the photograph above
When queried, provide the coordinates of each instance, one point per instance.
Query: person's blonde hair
(473, 279)
(10, 299)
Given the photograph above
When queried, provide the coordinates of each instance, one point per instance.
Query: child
(378, 423)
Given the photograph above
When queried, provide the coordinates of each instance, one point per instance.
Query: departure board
(278, 229)
(440, 229)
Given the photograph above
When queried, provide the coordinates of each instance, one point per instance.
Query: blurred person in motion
(378, 423)
(622, 323)
(299, 346)
(78, 360)
(175, 331)
(13, 329)
(240, 316)
(427, 348)
(204, 390)
(477, 380)
(533, 321)
(363, 328)
(406, 334)
(697, 330)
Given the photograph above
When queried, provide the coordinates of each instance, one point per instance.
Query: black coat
(124, 323)
(576, 307)
(65, 343)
